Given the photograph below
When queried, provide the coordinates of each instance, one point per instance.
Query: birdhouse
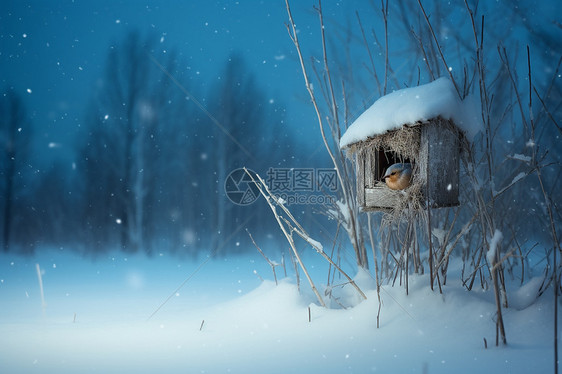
(421, 126)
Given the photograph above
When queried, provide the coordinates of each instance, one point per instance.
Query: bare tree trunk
(8, 202)
(126, 206)
(9, 199)
(12, 113)
(139, 191)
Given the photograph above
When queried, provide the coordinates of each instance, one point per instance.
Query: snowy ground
(96, 320)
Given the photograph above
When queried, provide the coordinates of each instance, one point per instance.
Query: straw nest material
(411, 204)
(404, 142)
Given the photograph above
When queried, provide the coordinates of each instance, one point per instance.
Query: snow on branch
(491, 255)
(515, 179)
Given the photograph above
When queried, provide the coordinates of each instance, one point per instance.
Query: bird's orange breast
(398, 181)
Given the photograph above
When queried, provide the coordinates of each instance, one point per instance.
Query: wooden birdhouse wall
(367, 170)
(440, 148)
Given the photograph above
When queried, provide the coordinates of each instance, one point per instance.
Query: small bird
(398, 176)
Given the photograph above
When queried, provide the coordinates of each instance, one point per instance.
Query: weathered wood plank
(382, 198)
(360, 174)
(369, 169)
(439, 162)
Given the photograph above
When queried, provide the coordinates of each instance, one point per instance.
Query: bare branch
(438, 47)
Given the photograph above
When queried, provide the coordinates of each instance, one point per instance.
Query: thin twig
(369, 52)
(262, 186)
(297, 228)
(341, 171)
(385, 18)
(548, 204)
(547, 111)
(271, 263)
(377, 275)
(439, 47)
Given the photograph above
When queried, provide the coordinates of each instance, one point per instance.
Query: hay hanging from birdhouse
(411, 205)
(404, 142)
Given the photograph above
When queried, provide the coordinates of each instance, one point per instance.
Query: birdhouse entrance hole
(386, 159)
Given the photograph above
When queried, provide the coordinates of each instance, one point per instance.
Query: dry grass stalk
(430, 243)
(445, 65)
(283, 264)
(377, 275)
(297, 274)
(271, 263)
(485, 212)
(550, 211)
(42, 293)
(500, 329)
(290, 226)
(334, 242)
(264, 190)
(353, 226)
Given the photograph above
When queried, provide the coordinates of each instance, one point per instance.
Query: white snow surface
(409, 105)
(96, 321)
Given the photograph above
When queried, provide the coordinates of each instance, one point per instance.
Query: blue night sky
(53, 53)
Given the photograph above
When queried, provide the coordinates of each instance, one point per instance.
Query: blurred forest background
(152, 152)
(151, 164)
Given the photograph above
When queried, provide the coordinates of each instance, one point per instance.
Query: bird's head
(398, 176)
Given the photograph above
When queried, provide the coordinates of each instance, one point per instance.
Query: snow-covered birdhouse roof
(412, 106)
